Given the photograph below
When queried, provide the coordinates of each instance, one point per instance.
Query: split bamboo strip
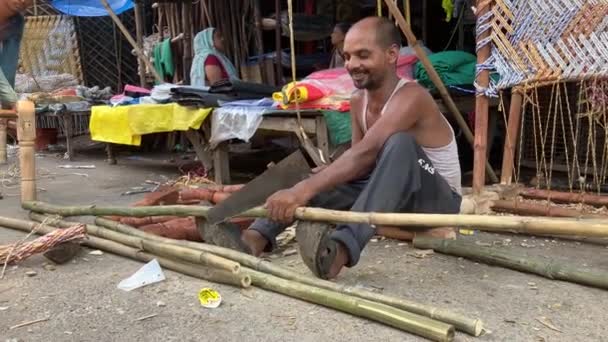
(3, 139)
(521, 224)
(386, 314)
(472, 326)
(197, 271)
(565, 197)
(158, 248)
(547, 268)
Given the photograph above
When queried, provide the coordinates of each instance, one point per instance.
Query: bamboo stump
(26, 134)
(3, 134)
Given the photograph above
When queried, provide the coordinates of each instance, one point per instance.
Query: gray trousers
(398, 183)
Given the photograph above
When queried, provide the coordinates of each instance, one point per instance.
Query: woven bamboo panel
(50, 47)
(541, 41)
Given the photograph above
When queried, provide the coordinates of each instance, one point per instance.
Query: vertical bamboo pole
(508, 156)
(26, 134)
(279, 64)
(187, 41)
(140, 41)
(481, 106)
(3, 134)
(426, 63)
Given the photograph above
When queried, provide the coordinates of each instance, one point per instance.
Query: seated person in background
(210, 64)
(337, 40)
(12, 24)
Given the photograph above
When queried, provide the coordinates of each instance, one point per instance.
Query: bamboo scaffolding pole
(434, 76)
(565, 197)
(482, 107)
(132, 41)
(197, 271)
(522, 224)
(472, 326)
(523, 208)
(548, 268)
(508, 156)
(153, 247)
(403, 320)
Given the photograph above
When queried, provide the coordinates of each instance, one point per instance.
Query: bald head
(386, 32)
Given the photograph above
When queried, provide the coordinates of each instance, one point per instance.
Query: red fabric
(213, 60)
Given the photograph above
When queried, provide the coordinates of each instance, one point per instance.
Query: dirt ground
(82, 302)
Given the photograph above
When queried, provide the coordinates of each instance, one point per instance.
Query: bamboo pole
(565, 197)
(508, 156)
(187, 11)
(127, 35)
(481, 107)
(140, 41)
(548, 268)
(428, 66)
(157, 248)
(197, 271)
(472, 326)
(531, 209)
(403, 320)
(522, 224)
(3, 139)
(26, 134)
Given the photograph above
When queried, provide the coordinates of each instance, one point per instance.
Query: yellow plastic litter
(126, 124)
(209, 298)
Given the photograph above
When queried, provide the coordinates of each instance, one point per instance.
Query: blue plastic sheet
(90, 8)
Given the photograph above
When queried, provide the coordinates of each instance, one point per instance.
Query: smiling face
(367, 59)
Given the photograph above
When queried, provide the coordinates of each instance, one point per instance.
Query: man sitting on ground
(403, 157)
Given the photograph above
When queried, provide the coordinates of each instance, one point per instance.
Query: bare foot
(340, 261)
(255, 241)
(440, 233)
(398, 233)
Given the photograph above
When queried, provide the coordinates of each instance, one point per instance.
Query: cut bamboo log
(522, 208)
(434, 76)
(508, 156)
(26, 134)
(197, 271)
(471, 326)
(548, 268)
(521, 224)
(565, 197)
(157, 248)
(386, 314)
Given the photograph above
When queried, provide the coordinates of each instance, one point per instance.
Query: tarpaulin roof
(90, 8)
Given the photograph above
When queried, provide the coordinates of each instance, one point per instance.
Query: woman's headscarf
(203, 47)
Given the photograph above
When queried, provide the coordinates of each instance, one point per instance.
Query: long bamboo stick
(197, 271)
(521, 224)
(158, 248)
(548, 268)
(508, 155)
(523, 208)
(434, 76)
(472, 326)
(565, 197)
(403, 320)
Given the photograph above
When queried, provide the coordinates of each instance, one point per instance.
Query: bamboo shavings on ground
(19, 251)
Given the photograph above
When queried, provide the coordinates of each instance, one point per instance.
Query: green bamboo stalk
(386, 314)
(472, 326)
(154, 247)
(547, 268)
(521, 224)
(197, 271)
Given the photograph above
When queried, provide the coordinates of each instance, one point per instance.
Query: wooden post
(187, 30)
(129, 37)
(26, 134)
(140, 41)
(3, 134)
(413, 42)
(508, 156)
(221, 164)
(481, 108)
(279, 64)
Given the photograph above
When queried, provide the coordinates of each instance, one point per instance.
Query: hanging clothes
(163, 59)
(203, 48)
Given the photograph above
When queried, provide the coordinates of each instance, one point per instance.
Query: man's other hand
(282, 205)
